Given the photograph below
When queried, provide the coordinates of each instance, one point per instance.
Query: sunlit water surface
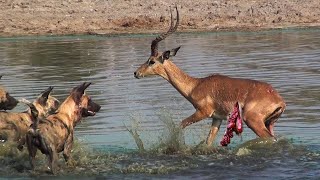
(151, 107)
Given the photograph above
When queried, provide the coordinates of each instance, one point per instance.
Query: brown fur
(215, 96)
(54, 134)
(7, 102)
(14, 125)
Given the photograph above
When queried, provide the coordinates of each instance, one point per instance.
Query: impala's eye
(151, 63)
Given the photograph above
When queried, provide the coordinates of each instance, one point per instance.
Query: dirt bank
(46, 17)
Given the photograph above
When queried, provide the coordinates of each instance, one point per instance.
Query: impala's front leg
(197, 116)
(215, 126)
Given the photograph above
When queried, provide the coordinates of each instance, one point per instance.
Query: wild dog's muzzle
(91, 110)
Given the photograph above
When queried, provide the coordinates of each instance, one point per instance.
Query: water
(289, 60)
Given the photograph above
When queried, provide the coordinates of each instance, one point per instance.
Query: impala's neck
(179, 79)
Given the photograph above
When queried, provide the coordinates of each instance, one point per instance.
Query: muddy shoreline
(78, 17)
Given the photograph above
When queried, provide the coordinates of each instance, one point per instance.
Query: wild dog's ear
(84, 86)
(79, 91)
(81, 87)
(44, 96)
(0, 76)
(167, 54)
(33, 109)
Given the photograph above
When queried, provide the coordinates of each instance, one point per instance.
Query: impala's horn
(172, 29)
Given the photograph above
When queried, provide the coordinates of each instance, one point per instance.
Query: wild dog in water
(14, 125)
(54, 134)
(7, 102)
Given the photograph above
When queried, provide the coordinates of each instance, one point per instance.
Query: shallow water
(289, 60)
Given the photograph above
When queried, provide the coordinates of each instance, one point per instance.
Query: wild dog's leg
(67, 151)
(215, 126)
(52, 159)
(31, 149)
(197, 116)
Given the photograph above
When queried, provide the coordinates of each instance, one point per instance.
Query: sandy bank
(46, 17)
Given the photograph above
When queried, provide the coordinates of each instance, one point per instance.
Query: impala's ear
(167, 54)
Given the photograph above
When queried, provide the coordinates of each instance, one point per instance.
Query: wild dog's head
(86, 107)
(89, 108)
(45, 103)
(7, 102)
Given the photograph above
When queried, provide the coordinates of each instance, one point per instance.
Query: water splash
(134, 132)
(168, 155)
(90, 162)
(172, 139)
(171, 153)
(12, 160)
(254, 145)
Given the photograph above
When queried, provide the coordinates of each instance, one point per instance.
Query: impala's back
(224, 92)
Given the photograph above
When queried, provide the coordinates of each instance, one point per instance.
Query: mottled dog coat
(14, 125)
(54, 134)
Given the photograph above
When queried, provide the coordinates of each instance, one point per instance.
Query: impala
(215, 96)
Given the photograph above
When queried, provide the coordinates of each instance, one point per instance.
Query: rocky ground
(57, 17)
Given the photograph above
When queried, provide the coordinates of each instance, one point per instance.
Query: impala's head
(154, 65)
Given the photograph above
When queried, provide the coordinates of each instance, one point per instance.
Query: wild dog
(7, 102)
(54, 134)
(14, 125)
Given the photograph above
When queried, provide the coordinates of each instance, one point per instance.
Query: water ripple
(288, 60)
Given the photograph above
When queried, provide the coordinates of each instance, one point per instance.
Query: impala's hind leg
(215, 126)
(255, 122)
(272, 118)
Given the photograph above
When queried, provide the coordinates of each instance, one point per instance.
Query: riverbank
(50, 17)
